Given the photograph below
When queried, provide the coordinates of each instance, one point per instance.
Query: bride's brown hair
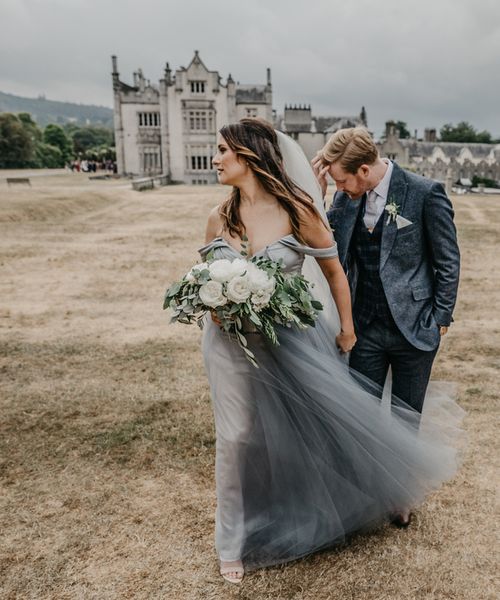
(255, 142)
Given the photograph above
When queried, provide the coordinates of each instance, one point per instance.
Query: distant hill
(46, 111)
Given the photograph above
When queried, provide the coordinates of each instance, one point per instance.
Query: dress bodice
(287, 249)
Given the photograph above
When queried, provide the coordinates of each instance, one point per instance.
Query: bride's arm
(318, 236)
(212, 231)
(339, 286)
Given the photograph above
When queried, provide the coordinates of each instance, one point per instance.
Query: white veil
(300, 171)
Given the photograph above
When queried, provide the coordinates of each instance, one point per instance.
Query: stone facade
(447, 162)
(312, 133)
(171, 128)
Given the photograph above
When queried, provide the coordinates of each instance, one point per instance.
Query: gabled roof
(341, 123)
(196, 60)
(125, 87)
(451, 149)
(322, 124)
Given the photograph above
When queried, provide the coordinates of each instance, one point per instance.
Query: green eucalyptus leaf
(255, 319)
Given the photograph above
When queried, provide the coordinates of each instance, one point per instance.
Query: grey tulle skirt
(305, 456)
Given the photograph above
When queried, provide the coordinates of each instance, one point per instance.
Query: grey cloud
(426, 62)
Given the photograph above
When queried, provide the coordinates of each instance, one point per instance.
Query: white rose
(211, 294)
(198, 267)
(238, 289)
(259, 279)
(221, 270)
(239, 266)
(261, 298)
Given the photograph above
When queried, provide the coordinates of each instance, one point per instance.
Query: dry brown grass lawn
(106, 434)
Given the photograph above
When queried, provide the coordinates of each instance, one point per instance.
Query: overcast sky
(426, 62)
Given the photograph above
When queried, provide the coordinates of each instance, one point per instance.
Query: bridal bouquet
(243, 295)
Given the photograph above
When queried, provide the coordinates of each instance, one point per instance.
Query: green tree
(16, 144)
(54, 135)
(30, 126)
(85, 138)
(465, 133)
(48, 157)
(100, 153)
(402, 129)
(484, 137)
(485, 181)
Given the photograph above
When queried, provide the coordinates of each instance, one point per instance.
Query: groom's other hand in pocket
(321, 171)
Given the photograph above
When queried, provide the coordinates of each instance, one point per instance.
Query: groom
(397, 243)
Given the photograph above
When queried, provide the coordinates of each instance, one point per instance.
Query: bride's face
(231, 169)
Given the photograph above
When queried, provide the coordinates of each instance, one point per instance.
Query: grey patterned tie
(370, 218)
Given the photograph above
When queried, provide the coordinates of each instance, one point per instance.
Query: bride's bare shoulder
(214, 217)
(214, 224)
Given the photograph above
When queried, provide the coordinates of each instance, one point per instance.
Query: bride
(305, 456)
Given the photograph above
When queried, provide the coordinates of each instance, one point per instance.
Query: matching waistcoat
(370, 301)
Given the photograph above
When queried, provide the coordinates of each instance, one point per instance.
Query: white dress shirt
(376, 199)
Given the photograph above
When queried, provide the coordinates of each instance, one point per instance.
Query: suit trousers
(381, 345)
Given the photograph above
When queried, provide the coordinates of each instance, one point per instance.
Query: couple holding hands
(306, 452)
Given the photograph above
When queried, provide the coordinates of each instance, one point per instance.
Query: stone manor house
(171, 128)
(449, 162)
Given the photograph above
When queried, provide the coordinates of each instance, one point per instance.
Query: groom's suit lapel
(398, 189)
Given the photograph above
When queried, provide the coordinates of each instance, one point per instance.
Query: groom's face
(353, 184)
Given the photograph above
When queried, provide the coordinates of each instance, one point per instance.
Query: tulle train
(305, 456)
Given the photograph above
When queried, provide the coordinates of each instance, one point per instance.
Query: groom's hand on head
(321, 171)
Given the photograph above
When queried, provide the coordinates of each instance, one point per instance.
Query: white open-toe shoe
(232, 570)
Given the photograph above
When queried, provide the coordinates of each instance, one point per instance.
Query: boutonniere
(393, 215)
(392, 210)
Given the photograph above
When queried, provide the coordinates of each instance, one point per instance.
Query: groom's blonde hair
(351, 148)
